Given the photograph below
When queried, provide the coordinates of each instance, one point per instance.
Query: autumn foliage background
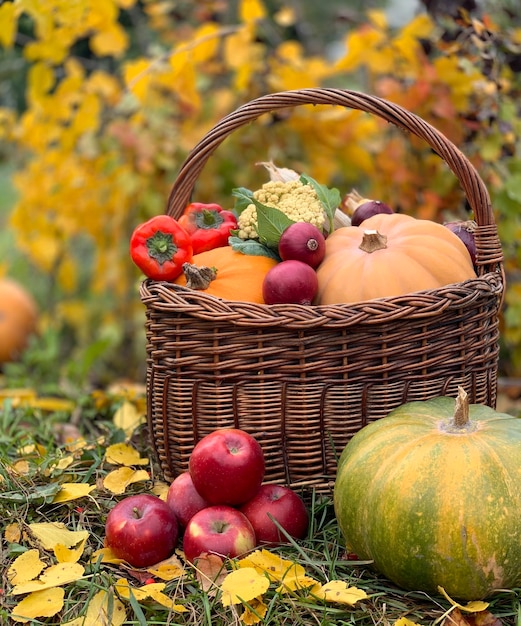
(101, 100)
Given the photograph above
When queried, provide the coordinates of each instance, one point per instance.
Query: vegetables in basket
(287, 198)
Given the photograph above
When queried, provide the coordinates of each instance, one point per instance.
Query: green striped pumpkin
(434, 499)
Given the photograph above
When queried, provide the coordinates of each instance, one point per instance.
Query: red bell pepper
(208, 225)
(160, 246)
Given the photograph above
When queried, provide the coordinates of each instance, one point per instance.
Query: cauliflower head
(294, 198)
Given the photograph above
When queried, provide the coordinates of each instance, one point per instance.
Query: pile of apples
(219, 506)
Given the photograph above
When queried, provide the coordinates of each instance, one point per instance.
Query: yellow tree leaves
(7, 24)
(60, 23)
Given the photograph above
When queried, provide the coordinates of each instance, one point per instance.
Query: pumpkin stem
(459, 423)
(198, 277)
(461, 409)
(372, 241)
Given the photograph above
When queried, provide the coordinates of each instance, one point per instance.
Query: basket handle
(487, 242)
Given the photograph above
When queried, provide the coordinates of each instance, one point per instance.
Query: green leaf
(329, 198)
(271, 223)
(138, 611)
(42, 494)
(252, 247)
(244, 197)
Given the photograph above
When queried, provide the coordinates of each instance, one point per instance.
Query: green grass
(27, 498)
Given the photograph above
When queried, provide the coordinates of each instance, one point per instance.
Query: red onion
(465, 231)
(290, 282)
(302, 242)
(367, 209)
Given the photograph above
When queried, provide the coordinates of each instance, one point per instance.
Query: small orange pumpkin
(237, 276)
(390, 255)
(18, 317)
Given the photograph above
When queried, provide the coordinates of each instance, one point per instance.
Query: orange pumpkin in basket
(18, 317)
(237, 276)
(390, 255)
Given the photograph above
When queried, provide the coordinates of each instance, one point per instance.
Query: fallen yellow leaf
(98, 612)
(274, 566)
(124, 589)
(128, 417)
(118, 480)
(20, 467)
(153, 591)
(123, 454)
(471, 607)
(169, 569)
(160, 489)
(47, 404)
(44, 603)
(403, 621)
(75, 444)
(69, 555)
(107, 556)
(243, 585)
(53, 576)
(32, 449)
(13, 533)
(254, 612)
(49, 534)
(25, 567)
(294, 583)
(164, 600)
(73, 491)
(64, 462)
(339, 591)
(17, 393)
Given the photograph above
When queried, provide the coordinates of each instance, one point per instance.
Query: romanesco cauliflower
(294, 198)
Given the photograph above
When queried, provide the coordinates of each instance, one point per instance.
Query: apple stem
(220, 527)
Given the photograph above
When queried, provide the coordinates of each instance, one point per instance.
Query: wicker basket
(304, 379)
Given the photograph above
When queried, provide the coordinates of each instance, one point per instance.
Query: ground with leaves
(65, 464)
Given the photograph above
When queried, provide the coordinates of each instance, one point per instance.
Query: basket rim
(172, 298)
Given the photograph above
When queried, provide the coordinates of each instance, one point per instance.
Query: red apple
(142, 530)
(220, 530)
(184, 499)
(227, 466)
(282, 504)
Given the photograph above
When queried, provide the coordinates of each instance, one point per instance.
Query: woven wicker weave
(304, 379)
